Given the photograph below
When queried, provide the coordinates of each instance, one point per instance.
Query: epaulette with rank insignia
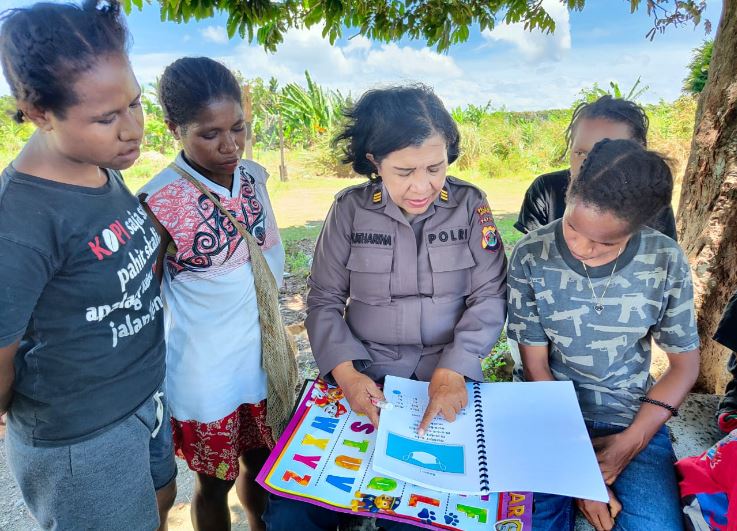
(444, 194)
(376, 198)
(462, 191)
(359, 186)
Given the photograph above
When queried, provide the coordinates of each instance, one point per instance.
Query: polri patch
(490, 239)
(447, 236)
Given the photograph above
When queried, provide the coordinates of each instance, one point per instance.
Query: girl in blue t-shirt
(81, 327)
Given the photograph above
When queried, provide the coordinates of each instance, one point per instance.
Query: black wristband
(673, 410)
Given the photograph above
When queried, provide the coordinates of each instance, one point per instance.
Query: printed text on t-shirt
(117, 234)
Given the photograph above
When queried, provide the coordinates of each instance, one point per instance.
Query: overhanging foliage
(439, 23)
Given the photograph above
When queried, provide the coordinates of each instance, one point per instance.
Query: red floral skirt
(213, 448)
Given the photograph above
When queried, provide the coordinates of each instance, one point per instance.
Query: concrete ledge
(695, 429)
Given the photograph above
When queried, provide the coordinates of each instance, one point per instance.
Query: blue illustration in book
(441, 457)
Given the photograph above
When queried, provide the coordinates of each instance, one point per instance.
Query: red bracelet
(673, 410)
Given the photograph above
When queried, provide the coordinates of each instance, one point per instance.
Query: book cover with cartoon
(325, 457)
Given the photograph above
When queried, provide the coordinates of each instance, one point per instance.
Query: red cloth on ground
(728, 421)
(714, 471)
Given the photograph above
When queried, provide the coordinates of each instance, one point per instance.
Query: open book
(510, 437)
(325, 458)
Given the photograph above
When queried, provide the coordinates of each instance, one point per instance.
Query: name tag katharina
(370, 238)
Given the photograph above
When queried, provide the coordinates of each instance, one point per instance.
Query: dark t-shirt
(545, 201)
(726, 334)
(78, 286)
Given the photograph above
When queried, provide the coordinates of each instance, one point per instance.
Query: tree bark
(248, 118)
(707, 215)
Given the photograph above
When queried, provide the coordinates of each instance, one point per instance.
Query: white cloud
(537, 46)
(303, 49)
(515, 84)
(216, 34)
(411, 63)
(353, 67)
(149, 66)
(358, 43)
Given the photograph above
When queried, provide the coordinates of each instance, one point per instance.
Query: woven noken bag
(278, 353)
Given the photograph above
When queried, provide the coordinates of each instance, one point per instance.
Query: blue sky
(508, 66)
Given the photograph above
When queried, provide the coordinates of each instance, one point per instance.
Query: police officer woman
(409, 273)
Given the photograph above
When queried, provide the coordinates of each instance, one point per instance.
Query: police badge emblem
(490, 238)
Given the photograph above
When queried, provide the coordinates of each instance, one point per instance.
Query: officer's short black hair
(386, 120)
(189, 84)
(615, 110)
(47, 46)
(625, 179)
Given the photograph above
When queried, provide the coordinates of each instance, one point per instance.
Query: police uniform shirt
(396, 303)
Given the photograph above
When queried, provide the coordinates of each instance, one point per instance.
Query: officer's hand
(448, 395)
(359, 390)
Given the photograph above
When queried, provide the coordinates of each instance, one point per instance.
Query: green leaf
(231, 26)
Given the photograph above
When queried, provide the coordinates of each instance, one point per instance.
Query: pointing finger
(430, 413)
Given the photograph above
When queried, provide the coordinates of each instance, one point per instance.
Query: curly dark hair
(625, 179)
(191, 83)
(386, 120)
(47, 46)
(612, 109)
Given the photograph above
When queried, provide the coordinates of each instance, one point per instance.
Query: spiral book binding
(480, 440)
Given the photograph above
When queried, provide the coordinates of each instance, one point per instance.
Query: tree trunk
(707, 216)
(283, 165)
(248, 118)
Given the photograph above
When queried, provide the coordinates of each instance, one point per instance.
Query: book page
(445, 458)
(536, 440)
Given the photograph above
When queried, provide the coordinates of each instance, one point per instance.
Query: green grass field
(305, 198)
